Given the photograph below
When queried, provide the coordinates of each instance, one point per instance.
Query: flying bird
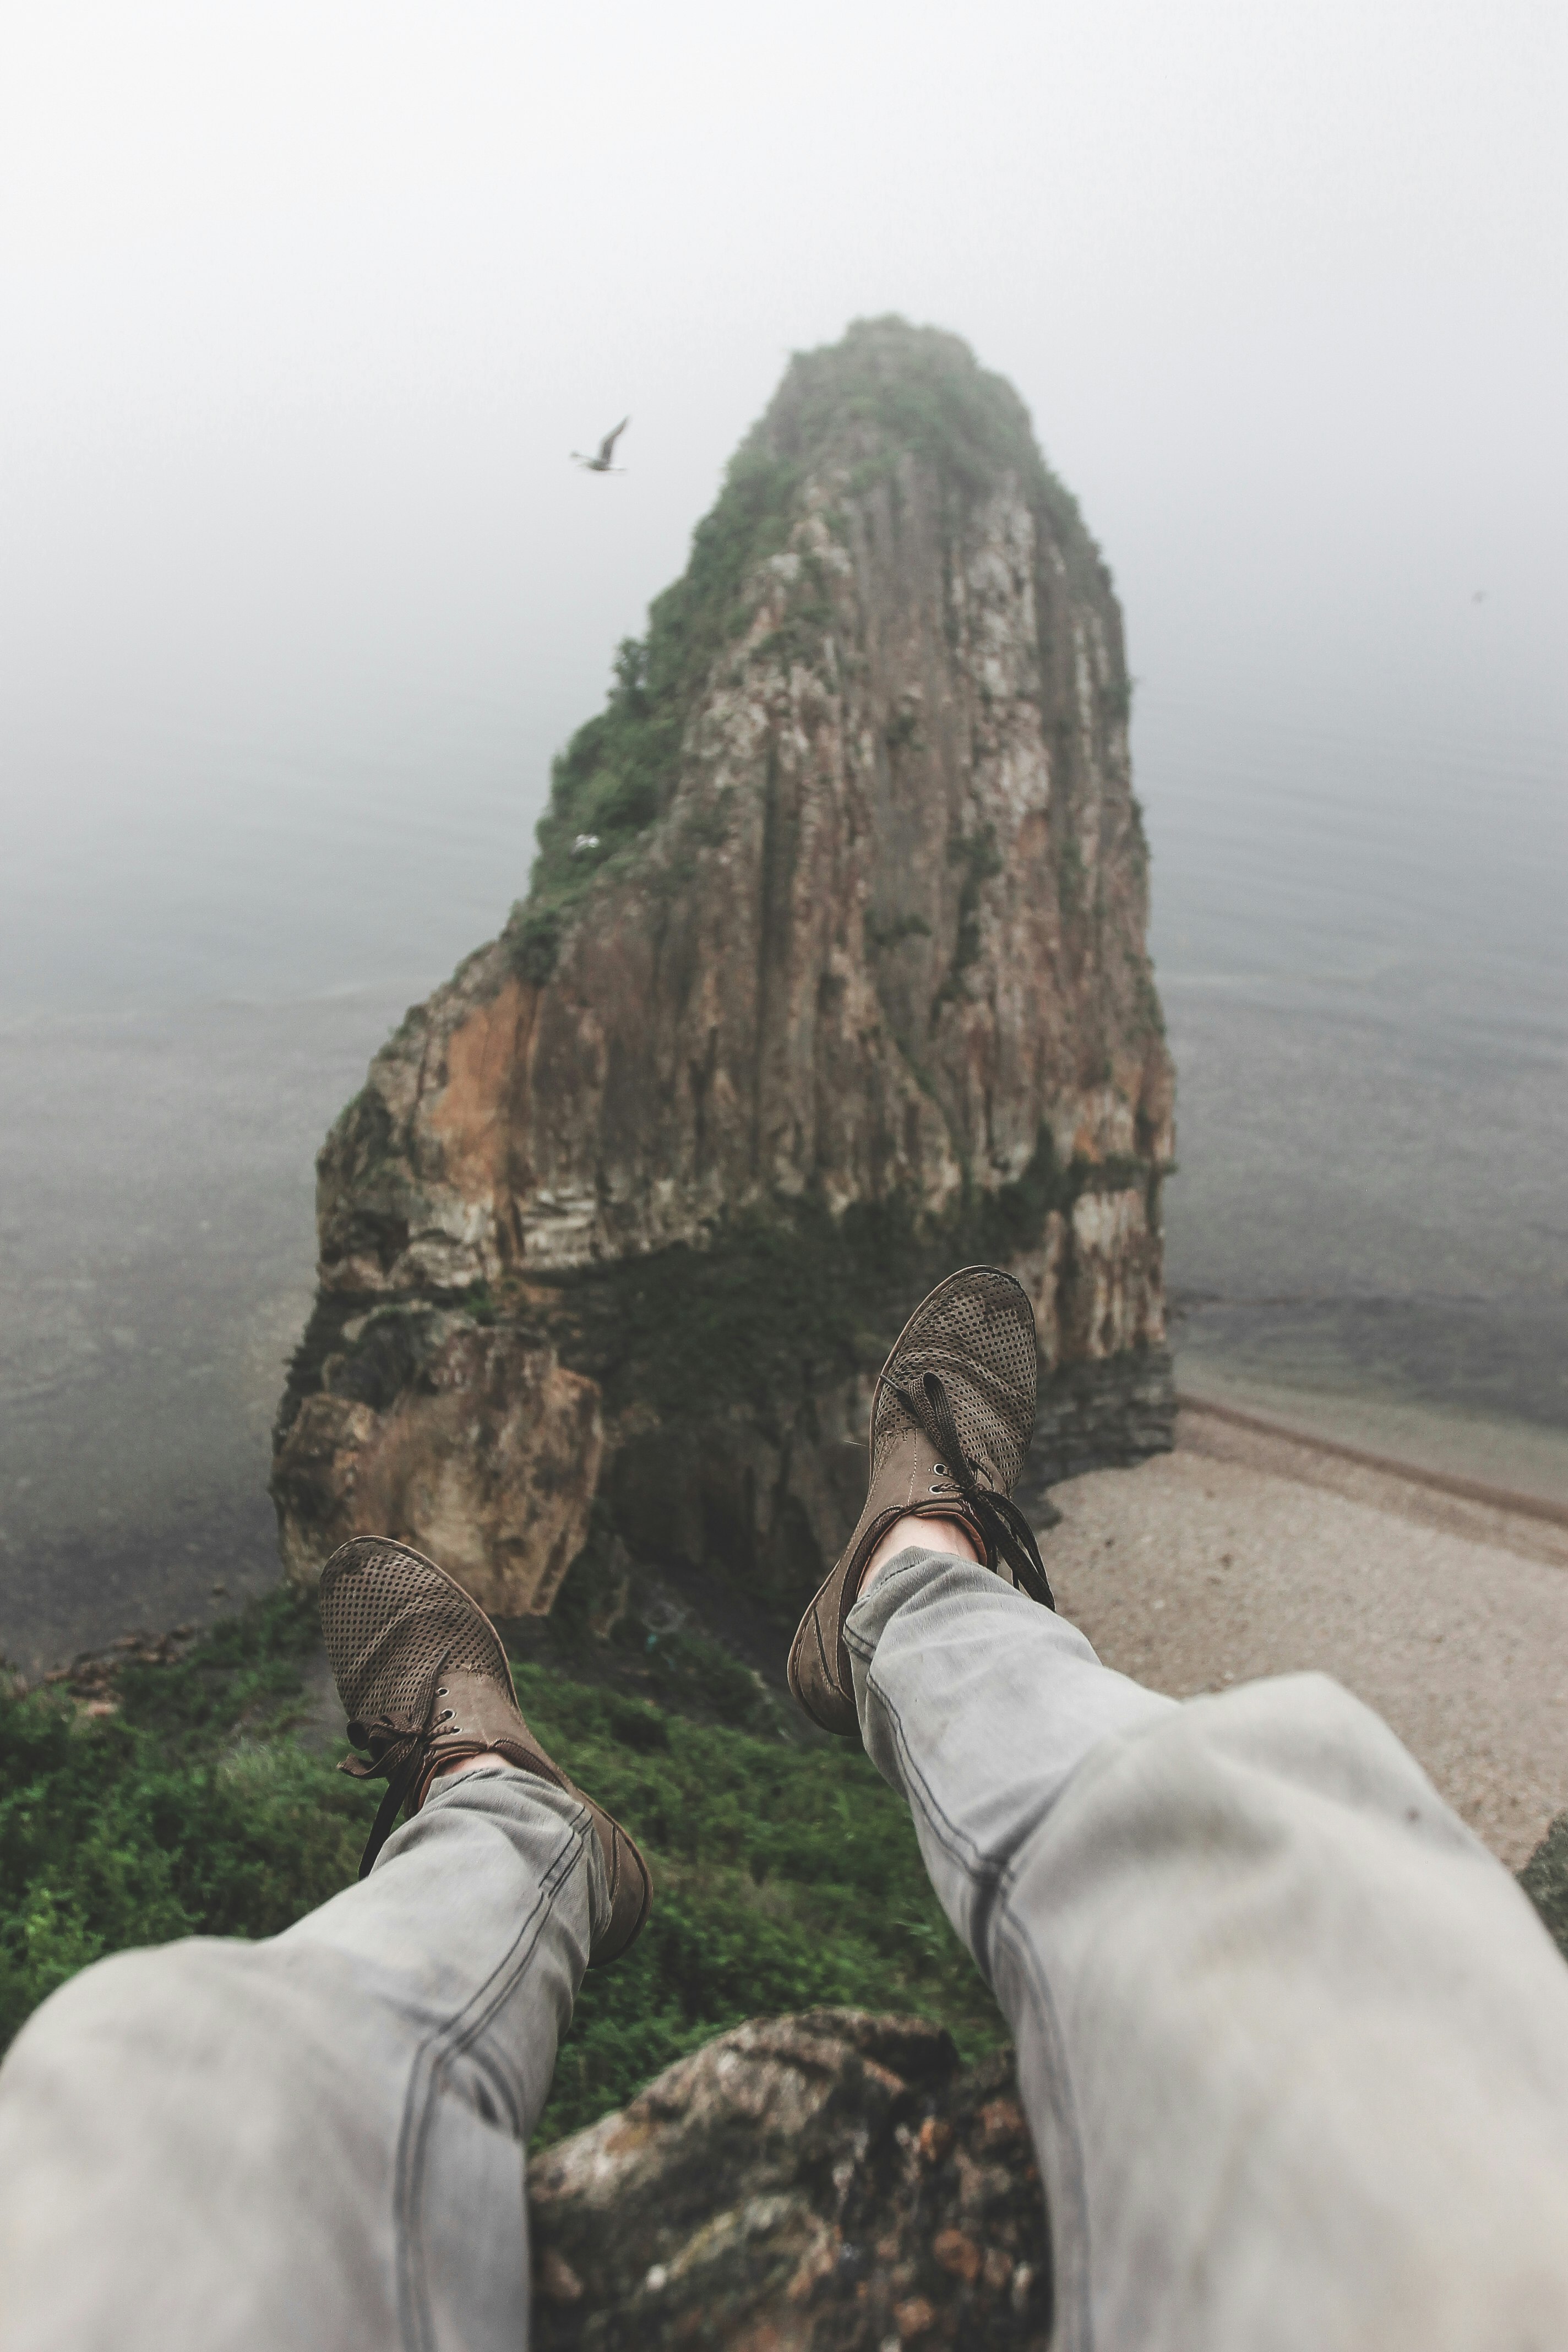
(605, 462)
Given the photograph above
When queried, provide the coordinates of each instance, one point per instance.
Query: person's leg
(318, 2140)
(1293, 2047)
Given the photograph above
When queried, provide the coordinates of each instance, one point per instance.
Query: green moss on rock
(619, 773)
(1544, 1879)
(886, 393)
(789, 1298)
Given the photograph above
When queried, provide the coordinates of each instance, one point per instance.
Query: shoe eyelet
(939, 1469)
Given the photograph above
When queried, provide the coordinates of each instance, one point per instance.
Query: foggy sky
(305, 305)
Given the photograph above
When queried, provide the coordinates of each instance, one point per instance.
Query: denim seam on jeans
(963, 1849)
(1066, 2235)
(993, 1922)
(427, 2074)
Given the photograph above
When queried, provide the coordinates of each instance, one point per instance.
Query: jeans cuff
(906, 1576)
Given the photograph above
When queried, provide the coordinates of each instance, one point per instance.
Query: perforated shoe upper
(392, 1621)
(952, 1418)
(976, 1332)
(424, 1681)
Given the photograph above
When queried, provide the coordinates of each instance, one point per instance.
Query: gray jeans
(316, 2141)
(1294, 2049)
(1293, 2045)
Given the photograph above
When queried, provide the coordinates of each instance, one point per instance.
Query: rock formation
(830, 2182)
(831, 974)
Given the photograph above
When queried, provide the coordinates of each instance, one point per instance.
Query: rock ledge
(828, 2182)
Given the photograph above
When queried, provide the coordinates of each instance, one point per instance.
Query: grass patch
(187, 1812)
(785, 1875)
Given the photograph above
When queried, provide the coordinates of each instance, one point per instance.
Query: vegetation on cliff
(786, 1875)
(170, 1802)
(781, 1298)
(886, 391)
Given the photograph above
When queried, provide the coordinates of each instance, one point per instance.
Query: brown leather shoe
(424, 1680)
(952, 1418)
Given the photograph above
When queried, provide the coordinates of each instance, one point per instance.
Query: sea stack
(831, 975)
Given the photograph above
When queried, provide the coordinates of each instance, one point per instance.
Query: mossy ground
(786, 1875)
(190, 1810)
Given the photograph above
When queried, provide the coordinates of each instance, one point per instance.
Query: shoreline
(1253, 1550)
(1508, 1501)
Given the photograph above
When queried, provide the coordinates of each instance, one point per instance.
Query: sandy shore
(1247, 1553)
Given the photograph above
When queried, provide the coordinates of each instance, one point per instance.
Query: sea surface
(1362, 947)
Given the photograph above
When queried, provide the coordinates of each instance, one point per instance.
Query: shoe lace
(1000, 1520)
(395, 1746)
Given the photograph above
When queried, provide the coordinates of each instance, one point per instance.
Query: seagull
(604, 462)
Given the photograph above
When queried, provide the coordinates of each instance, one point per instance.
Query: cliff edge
(831, 974)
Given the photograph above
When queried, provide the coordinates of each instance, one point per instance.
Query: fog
(304, 308)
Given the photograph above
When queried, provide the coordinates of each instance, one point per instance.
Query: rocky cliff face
(832, 972)
(831, 2182)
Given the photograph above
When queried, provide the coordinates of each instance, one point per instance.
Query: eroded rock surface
(491, 1455)
(832, 974)
(830, 2182)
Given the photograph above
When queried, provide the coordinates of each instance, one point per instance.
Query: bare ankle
(928, 1535)
(466, 1764)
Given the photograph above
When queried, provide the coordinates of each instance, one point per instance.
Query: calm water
(1365, 971)
(1363, 955)
(185, 1004)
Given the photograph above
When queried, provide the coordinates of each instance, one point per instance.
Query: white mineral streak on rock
(1115, 1301)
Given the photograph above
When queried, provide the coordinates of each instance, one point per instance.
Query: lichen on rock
(832, 972)
(825, 2183)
